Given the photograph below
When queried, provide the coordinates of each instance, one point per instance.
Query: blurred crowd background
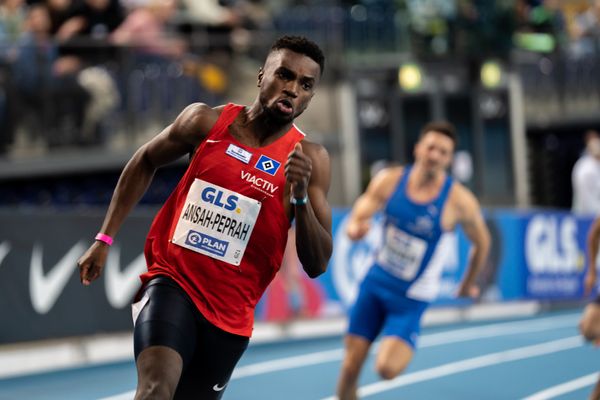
(85, 82)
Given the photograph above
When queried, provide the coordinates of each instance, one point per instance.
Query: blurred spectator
(149, 89)
(256, 17)
(50, 100)
(104, 98)
(6, 120)
(522, 15)
(541, 25)
(585, 30)
(484, 28)
(430, 23)
(60, 11)
(100, 17)
(12, 21)
(227, 26)
(86, 32)
(145, 29)
(32, 71)
(585, 177)
(211, 13)
(547, 17)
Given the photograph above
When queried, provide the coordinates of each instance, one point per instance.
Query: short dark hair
(443, 127)
(301, 45)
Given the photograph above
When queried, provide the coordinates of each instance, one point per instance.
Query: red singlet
(222, 232)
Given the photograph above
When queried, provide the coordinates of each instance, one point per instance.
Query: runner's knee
(159, 369)
(155, 389)
(387, 371)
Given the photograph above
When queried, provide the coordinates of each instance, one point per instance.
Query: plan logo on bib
(268, 165)
(207, 243)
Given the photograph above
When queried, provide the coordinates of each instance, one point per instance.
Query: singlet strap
(404, 179)
(441, 199)
(228, 115)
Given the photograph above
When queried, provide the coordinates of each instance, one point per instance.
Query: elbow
(144, 160)
(315, 268)
(316, 271)
(140, 164)
(315, 263)
(320, 267)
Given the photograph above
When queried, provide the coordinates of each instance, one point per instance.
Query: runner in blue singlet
(420, 203)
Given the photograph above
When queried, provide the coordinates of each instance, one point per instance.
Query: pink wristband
(104, 238)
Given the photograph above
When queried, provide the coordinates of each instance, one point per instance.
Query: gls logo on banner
(214, 196)
(268, 165)
(551, 245)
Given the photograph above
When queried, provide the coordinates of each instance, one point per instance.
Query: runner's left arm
(308, 171)
(473, 224)
(176, 140)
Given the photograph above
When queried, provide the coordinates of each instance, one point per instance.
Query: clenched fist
(298, 168)
(92, 262)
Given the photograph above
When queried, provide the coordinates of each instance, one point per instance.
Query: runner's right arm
(176, 140)
(473, 224)
(372, 200)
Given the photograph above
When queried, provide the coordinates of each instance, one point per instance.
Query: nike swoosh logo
(218, 388)
(45, 289)
(121, 286)
(4, 250)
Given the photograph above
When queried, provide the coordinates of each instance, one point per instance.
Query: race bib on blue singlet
(402, 254)
(216, 222)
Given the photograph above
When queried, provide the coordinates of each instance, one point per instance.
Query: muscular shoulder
(384, 183)
(315, 151)
(463, 200)
(321, 165)
(388, 176)
(195, 121)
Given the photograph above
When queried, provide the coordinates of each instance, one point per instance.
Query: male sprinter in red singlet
(219, 239)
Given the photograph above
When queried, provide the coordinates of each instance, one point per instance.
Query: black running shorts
(170, 318)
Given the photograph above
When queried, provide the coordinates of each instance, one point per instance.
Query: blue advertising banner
(534, 255)
(554, 256)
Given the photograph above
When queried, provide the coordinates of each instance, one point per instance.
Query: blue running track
(536, 358)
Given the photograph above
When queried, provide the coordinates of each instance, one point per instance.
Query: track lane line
(469, 364)
(563, 388)
(430, 340)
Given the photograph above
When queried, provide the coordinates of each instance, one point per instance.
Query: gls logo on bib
(214, 196)
(216, 222)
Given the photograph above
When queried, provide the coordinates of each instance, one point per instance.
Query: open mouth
(285, 106)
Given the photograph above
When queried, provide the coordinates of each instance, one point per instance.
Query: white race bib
(216, 222)
(402, 253)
